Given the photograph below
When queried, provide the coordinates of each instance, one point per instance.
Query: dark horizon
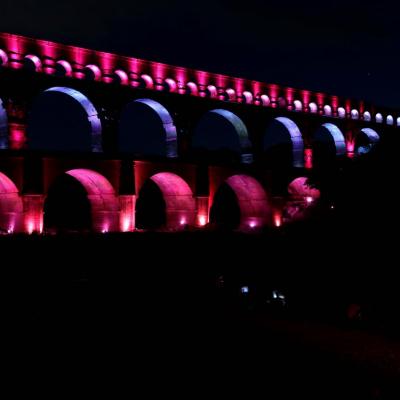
(342, 49)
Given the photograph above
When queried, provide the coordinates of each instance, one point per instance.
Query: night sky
(347, 48)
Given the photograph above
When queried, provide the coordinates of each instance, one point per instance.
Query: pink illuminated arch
(192, 89)
(102, 198)
(91, 113)
(34, 62)
(379, 118)
(64, 68)
(252, 201)
(180, 205)
(230, 94)
(92, 72)
(3, 58)
(121, 76)
(313, 108)
(354, 114)
(341, 112)
(11, 208)
(247, 97)
(211, 91)
(265, 100)
(330, 133)
(298, 105)
(299, 188)
(3, 127)
(367, 116)
(327, 110)
(283, 131)
(170, 85)
(147, 81)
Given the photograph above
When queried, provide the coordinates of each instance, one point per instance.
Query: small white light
(309, 199)
(252, 224)
(183, 221)
(244, 289)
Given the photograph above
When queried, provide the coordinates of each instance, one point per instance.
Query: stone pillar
(202, 207)
(127, 206)
(33, 212)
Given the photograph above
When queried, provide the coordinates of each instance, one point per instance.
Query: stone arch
(223, 131)
(165, 201)
(147, 128)
(87, 193)
(3, 127)
(366, 140)
(11, 207)
(330, 136)
(283, 143)
(64, 119)
(240, 203)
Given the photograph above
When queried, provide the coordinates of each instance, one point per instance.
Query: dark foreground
(163, 314)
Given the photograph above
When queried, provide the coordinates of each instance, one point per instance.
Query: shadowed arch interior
(64, 119)
(11, 208)
(240, 202)
(3, 127)
(283, 144)
(81, 200)
(165, 200)
(224, 134)
(147, 128)
(366, 140)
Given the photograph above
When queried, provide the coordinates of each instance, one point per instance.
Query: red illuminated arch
(102, 198)
(180, 205)
(252, 201)
(3, 127)
(11, 208)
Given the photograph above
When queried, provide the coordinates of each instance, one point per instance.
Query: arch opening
(240, 203)
(283, 144)
(220, 134)
(63, 68)
(366, 140)
(329, 143)
(147, 128)
(32, 63)
(64, 119)
(165, 201)
(81, 200)
(11, 208)
(3, 58)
